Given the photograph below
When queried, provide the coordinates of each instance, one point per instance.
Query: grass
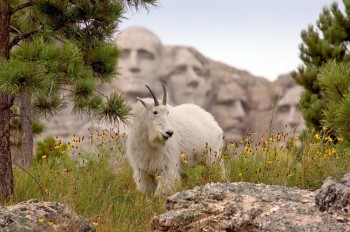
(104, 192)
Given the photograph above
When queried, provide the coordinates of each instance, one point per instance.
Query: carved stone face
(139, 62)
(188, 81)
(288, 116)
(229, 109)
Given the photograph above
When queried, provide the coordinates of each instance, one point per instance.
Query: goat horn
(156, 103)
(165, 95)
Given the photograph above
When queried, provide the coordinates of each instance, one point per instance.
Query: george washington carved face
(140, 61)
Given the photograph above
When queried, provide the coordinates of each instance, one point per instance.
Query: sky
(259, 36)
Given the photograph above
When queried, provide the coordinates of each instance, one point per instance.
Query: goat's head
(159, 127)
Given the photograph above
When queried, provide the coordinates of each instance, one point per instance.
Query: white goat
(162, 138)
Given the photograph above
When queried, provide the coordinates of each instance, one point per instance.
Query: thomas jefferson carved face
(288, 116)
(189, 81)
(230, 109)
(139, 62)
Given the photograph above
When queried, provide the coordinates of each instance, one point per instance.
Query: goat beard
(156, 139)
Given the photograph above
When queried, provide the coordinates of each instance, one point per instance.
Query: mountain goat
(162, 138)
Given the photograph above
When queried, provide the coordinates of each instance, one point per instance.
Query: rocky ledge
(34, 215)
(257, 207)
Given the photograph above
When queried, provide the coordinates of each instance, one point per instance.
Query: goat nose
(170, 133)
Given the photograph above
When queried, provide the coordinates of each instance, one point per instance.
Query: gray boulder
(34, 215)
(245, 207)
(334, 198)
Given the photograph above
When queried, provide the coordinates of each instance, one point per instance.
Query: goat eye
(155, 112)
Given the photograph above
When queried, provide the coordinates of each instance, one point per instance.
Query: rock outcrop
(256, 207)
(34, 215)
(334, 198)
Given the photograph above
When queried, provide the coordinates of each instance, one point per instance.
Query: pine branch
(18, 38)
(340, 93)
(13, 29)
(138, 4)
(22, 6)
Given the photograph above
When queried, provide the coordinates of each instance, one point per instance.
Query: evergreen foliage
(328, 42)
(333, 79)
(55, 51)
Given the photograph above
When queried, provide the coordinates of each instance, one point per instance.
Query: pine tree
(47, 46)
(328, 42)
(334, 81)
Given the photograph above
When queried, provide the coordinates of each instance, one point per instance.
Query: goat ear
(143, 103)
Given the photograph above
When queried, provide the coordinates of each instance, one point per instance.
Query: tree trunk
(4, 29)
(6, 101)
(6, 176)
(27, 130)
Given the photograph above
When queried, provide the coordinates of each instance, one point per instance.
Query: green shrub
(49, 148)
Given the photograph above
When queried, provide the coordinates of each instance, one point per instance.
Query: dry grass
(103, 191)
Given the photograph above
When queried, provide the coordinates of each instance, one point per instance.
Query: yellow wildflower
(95, 223)
(50, 223)
(328, 138)
(182, 155)
(56, 139)
(270, 161)
(40, 220)
(340, 139)
(279, 136)
(102, 136)
(324, 128)
(159, 177)
(232, 144)
(317, 136)
(240, 174)
(43, 156)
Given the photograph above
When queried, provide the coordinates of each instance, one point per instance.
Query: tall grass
(97, 182)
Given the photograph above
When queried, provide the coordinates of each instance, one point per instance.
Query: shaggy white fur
(162, 138)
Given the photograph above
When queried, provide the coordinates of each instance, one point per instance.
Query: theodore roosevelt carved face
(288, 115)
(229, 108)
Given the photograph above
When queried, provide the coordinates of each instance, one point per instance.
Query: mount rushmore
(239, 101)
